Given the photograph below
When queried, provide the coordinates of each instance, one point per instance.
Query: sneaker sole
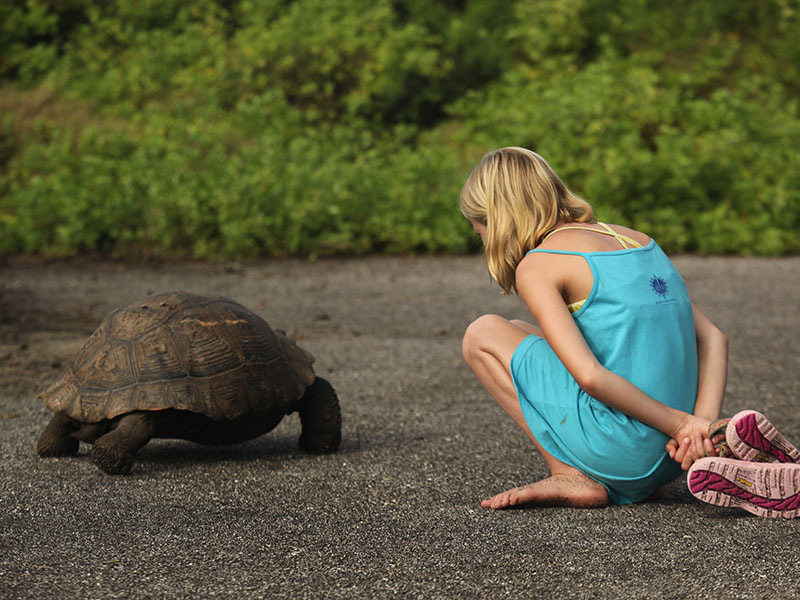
(764, 489)
(752, 437)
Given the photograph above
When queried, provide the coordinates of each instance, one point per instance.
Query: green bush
(309, 127)
(702, 158)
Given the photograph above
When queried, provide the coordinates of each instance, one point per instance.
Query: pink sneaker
(764, 489)
(752, 437)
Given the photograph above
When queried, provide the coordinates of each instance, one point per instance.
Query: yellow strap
(624, 240)
(576, 306)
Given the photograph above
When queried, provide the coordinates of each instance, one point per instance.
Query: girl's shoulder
(634, 234)
(552, 266)
(591, 237)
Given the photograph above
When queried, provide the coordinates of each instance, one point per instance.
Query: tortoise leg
(56, 439)
(114, 451)
(321, 418)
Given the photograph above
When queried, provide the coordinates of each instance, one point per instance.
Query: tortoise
(182, 365)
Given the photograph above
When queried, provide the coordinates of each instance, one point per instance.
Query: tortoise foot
(320, 443)
(56, 439)
(114, 451)
(112, 459)
(49, 447)
(321, 419)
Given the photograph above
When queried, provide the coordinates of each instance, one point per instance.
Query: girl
(623, 372)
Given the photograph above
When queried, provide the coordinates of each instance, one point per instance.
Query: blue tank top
(638, 322)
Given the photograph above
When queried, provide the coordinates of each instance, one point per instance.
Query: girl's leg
(488, 345)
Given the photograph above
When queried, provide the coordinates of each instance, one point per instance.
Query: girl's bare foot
(576, 490)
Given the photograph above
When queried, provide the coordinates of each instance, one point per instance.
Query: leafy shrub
(697, 164)
(307, 127)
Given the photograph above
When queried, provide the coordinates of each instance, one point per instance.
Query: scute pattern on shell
(205, 354)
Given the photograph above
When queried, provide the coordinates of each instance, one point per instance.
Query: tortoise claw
(112, 459)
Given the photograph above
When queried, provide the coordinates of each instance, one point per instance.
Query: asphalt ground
(394, 513)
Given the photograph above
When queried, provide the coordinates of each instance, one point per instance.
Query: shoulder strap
(624, 240)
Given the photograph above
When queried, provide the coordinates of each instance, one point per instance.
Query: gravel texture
(395, 513)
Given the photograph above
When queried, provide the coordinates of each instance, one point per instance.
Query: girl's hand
(691, 442)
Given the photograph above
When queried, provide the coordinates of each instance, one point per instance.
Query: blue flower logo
(659, 286)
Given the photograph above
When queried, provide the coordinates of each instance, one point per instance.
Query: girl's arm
(540, 280)
(712, 362)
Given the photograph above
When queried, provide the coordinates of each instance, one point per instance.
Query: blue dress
(638, 322)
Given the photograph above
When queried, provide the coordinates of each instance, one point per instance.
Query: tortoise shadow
(162, 455)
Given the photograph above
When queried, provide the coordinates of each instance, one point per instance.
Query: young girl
(617, 386)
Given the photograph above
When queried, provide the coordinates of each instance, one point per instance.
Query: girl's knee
(493, 335)
(479, 333)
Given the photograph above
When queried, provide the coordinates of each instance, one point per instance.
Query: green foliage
(700, 153)
(219, 128)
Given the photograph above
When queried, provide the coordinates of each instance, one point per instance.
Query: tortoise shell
(205, 354)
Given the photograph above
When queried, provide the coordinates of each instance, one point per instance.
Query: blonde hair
(520, 199)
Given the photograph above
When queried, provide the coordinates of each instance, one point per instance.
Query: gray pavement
(395, 513)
